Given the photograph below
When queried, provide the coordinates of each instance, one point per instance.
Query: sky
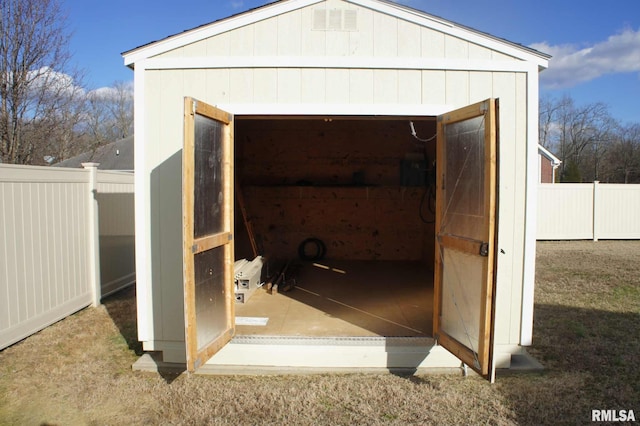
(595, 45)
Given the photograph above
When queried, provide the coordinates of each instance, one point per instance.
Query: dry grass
(586, 334)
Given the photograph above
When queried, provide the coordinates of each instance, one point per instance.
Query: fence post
(94, 233)
(595, 210)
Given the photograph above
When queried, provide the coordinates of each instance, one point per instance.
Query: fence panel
(565, 211)
(617, 212)
(44, 264)
(117, 230)
(46, 258)
(117, 241)
(587, 211)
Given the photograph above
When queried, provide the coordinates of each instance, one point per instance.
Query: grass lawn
(586, 334)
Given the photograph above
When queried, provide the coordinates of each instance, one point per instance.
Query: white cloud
(572, 65)
(112, 91)
(53, 81)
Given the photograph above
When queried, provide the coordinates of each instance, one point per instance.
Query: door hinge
(484, 249)
(230, 236)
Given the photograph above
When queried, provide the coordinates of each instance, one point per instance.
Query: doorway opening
(363, 188)
(339, 185)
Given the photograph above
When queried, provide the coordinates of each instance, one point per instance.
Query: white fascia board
(335, 110)
(473, 36)
(213, 29)
(341, 62)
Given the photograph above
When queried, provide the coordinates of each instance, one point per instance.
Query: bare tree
(109, 114)
(547, 111)
(580, 135)
(622, 163)
(122, 108)
(37, 87)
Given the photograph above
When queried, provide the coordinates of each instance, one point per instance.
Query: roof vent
(350, 20)
(335, 20)
(319, 19)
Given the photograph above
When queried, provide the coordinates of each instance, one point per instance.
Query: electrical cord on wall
(429, 195)
(415, 135)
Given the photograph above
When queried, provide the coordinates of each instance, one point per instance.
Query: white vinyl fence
(55, 256)
(588, 211)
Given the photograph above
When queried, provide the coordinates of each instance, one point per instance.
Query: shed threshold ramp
(269, 355)
(375, 341)
(302, 354)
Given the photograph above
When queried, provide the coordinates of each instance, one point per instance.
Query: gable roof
(113, 156)
(383, 6)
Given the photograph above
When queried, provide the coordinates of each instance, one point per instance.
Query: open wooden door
(208, 253)
(465, 233)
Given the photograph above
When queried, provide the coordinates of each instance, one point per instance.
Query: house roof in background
(113, 156)
(548, 155)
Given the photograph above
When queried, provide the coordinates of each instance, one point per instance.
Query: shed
(393, 150)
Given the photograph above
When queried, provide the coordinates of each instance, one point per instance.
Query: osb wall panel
(366, 223)
(327, 151)
(337, 180)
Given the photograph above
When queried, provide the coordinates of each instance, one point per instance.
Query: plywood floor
(346, 298)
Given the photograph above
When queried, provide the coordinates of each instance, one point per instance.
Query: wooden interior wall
(338, 180)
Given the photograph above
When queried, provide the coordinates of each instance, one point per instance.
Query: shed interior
(364, 187)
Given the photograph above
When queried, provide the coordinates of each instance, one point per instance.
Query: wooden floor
(346, 298)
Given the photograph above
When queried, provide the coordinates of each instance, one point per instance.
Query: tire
(320, 249)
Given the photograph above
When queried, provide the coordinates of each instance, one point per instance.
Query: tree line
(591, 143)
(46, 113)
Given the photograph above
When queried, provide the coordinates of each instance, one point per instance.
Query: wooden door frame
(192, 246)
(482, 361)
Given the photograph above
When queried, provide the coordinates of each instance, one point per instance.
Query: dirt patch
(587, 318)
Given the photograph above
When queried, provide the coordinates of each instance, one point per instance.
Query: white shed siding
(329, 86)
(432, 43)
(336, 86)
(434, 88)
(313, 83)
(378, 35)
(511, 89)
(409, 39)
(408, 80)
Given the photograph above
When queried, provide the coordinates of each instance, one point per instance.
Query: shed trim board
(338, 62)
(530, 219)
(527, 64)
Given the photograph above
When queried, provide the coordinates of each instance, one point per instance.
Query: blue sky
(596, 45)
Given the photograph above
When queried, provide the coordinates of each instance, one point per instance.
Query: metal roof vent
(335, 20)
